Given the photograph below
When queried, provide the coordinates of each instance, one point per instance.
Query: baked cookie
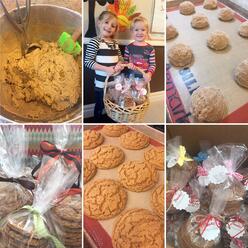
(104, 199)
(210, 4)
(208, 104)
(114, 130)
(138, 228)
(218, 40)
(92, 139)
(67, 216)
(158, 201)
(171, 32)
(243, 29)
(226, 15)
(133, 140)
(89, 170)
(199, 21)
(180, 55)
(241, 74)
(186, 8)
(107, 156)
(155, 156)
(138, 176)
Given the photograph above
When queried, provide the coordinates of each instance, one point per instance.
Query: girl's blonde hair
(108, 15)
(139, 19)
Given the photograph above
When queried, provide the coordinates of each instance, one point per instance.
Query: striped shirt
(141, 56)
(103, 53)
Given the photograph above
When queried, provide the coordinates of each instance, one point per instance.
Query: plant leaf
(131, 10)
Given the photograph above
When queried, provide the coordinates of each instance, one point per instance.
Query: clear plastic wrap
(16, 182)
(28, 226)
(60, 151)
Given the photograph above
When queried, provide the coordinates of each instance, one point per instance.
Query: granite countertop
(71, 4)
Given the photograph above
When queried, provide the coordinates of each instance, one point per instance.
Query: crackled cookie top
(138, 228)
(114, 130)
(155, 156)
(134, 140)
(137, 176)
(89, 170)
(107, 156)
(92, 139)
(158, 201)
(104, 199)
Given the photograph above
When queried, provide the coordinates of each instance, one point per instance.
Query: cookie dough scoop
(241, 74)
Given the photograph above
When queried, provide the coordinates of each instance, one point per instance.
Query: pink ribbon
(204, 222)
(236, 218)
(232, 173)
(201, 171)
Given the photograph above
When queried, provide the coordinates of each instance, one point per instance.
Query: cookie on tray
(107, 156)
(138, 228)
(157, 201)
(114, 130)
(104, 199)
(155, 156)
(89, 170)
(133, 140)
(138, 176)
(92, 139)
(67, 215)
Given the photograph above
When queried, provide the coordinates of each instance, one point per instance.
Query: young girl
(103, 55)
(139, 53)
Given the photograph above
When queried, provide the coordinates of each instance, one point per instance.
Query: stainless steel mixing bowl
(47, 22)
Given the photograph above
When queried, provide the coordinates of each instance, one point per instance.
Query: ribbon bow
(204, 222)
(24, 182)
(52, 151)
(231, 173)
(182, 156)
(200, 157)
(40, 228)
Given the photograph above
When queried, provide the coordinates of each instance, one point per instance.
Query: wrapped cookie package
(29, 226)
(16, 183)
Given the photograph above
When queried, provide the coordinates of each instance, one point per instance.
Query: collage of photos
(123, 124)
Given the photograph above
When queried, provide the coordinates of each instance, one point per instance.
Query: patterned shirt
(141, 56)
(103, 53)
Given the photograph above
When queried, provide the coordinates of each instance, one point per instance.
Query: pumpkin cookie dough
(241, 74)
(155, 156)
(138, 228)
(157, 201)
(243, 29)
(171, 32)
(104, 199)
(46, 75)
(186, 8)
(134, 140)
(92, 139)
(226, 15)
(210, 4)
(114, 130)
(218, 40)
(199, 21)
(107, 156)
(89, 170)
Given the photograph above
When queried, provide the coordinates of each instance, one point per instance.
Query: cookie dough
(243, 29)
(241, 74)
(210, 4)
(46, 75)
(138, 228)
(138, 176)
(218, 40)
(155, 156)
(186, 8)
(199, 21)
(157, 201)
(133, 140)
(89, 170)
(107, 156)
(171, 32)
(92, 139)
(104, 199)
(226, 15)
(180, 55)
(208, 104)
(114, 130)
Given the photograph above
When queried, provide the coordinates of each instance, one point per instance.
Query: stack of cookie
(67, 217)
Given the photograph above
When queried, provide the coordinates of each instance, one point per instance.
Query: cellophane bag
(29, 226)
(201, 229)
(16, 183)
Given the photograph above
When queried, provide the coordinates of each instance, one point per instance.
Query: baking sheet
(135, 200)
(210, 68)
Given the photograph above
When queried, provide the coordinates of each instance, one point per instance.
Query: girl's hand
(110, 70)
(147, 76)
(131, 66)
(119, 67)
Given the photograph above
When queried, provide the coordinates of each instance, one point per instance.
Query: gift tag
(172, 161)
(203, 180)
(211, 232)
(235, 229)
(218, 174)
(237, 244)
(194, 205)
(180, 200)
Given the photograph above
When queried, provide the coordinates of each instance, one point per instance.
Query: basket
(125, 115)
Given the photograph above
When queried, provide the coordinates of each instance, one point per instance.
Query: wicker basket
(125, 115)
